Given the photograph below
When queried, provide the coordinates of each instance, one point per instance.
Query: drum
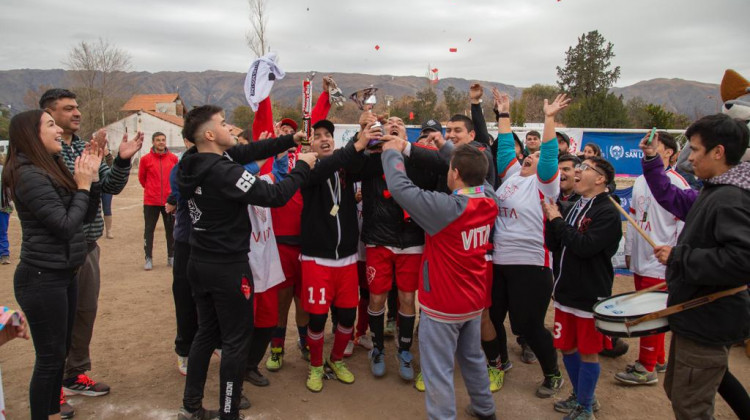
(611, 314)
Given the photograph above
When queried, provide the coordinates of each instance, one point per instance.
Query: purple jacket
(675, 200)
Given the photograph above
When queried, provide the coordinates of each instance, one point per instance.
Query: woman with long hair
(52, 205)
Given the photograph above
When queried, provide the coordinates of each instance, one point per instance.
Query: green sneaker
(276, 359)
(636, 374)
(419, 383)
(496, 378)
(566, 406)
(340, 370)
(550, 386)
(315, 378)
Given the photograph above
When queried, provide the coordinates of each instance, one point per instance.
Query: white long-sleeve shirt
(660, 225)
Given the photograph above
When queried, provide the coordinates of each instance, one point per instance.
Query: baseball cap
(325, 124)
(431, 125)
(290, 122)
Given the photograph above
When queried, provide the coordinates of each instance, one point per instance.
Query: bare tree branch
(256, 37)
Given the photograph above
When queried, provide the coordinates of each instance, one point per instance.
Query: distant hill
(687, 97)
(225, 88)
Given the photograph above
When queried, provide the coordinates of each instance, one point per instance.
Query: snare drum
(612, 313)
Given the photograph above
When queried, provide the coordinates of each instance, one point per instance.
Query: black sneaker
(550, 386)
(84, 385)
(244, 402)
(566, 406)
(256, 378)
(201, 414)
(527, 355)
(580, 413)
(619, 347)
(66, 411)
(470, 411)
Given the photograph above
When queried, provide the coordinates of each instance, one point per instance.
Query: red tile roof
(174, 119)
(148, 102)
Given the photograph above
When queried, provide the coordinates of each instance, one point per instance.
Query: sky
(518, 42)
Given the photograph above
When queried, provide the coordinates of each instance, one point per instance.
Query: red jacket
(153, 174)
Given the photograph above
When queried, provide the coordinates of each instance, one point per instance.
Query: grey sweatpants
(439, 344)
(78, 361)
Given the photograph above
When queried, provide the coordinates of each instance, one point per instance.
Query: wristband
(503, 115)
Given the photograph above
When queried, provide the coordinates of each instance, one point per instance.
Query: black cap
(431, 125)
(562, 136)
(324, 124)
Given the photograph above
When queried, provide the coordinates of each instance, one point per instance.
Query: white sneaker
(182, 365)
(349, 350)
(364, 341)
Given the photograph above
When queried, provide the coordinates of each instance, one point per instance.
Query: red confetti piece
(435, 70)
(411, 115)
(377, 47)
(470, 38)
(453, 50)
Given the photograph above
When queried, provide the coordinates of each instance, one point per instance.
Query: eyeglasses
(585, 166)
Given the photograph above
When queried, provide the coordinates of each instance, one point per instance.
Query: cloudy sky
(512, 41)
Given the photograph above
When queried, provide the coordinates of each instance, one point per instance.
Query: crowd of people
(476, 228)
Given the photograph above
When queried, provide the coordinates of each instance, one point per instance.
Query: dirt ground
(132, 351)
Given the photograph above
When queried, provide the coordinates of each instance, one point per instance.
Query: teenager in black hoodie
(218, 190)
(586, 239)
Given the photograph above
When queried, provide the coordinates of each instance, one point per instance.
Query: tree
(256, 37)
(97, 69)
(401, 108)
(533, 102)
(603, 110)
(645, 115)
(587, 70)
(425, 104)
(517, 113)
(4, 121)
(242, 117)
(456, 101)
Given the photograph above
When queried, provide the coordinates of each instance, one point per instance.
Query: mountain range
(690, 98)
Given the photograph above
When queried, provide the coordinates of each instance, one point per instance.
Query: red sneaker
(83, 385)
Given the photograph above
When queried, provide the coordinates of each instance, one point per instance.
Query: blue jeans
(107, 204)
(4, 246)
(439, 344)
(48, 298)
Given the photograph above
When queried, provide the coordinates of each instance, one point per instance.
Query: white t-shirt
(265, 262)
(660, 225)
(519, 227)
(260, 77)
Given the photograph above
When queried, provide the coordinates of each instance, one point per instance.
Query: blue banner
(625, 195)
(620, 149)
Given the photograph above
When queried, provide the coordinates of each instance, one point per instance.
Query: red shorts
(266, 308)
(488, 279)
(380, 269)
(573, 332)
(291, 265)
(323, 286)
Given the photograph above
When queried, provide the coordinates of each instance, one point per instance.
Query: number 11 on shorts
(311, 292)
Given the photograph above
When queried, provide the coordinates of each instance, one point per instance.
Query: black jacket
(713, 254)
(384, 222)
(52, 218)
(219, 189)
(584, 272)
(325, 235)
(438, 161)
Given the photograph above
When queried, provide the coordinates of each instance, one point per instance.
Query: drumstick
(642, 291)
(632, 222)
(694, 303)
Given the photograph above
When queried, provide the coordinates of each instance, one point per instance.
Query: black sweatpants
(151, 216)
(525, 291)
(184, 305)
(48, 298)
(225, 315)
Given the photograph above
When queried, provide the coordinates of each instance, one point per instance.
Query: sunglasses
(585, 166)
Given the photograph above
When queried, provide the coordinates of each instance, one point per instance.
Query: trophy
(307, 111)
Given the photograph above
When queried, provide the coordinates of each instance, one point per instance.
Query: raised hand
(475, 93)
(365, 118)
(128, 148)
(502, 100)
(84, 172)
(265, 135)
(649, 150)
(309, 158)
(437, 139)
(561, 102)
(299, 137)
(393, 143)
(100, 137)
